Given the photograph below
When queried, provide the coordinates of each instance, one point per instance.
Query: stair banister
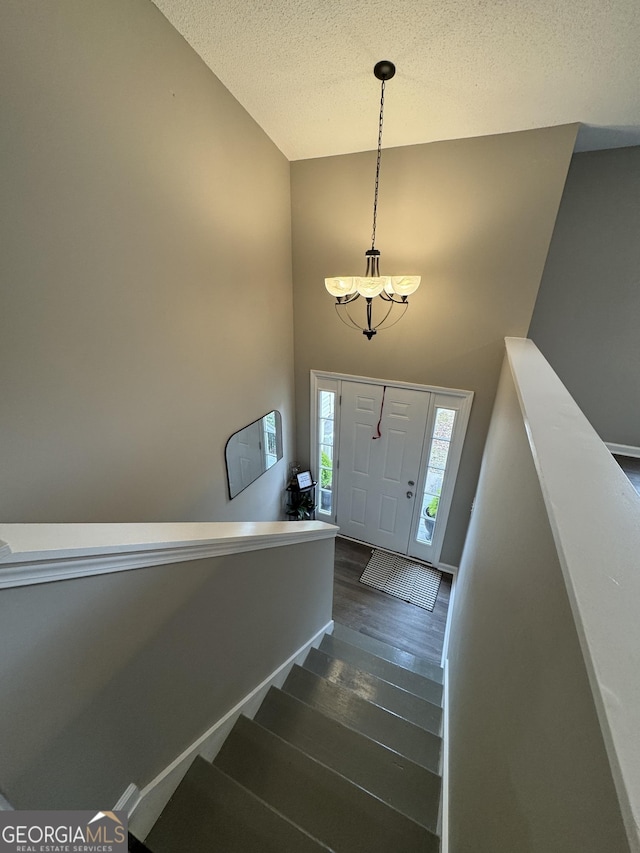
(42, 553)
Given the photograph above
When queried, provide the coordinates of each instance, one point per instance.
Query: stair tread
(210, 810)
(389, 652)
(419, 685)
(407, 787)
(383, 726)
(371, 687)
(330, 807)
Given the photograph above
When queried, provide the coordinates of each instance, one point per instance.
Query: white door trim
(395, 383)
(332, 381)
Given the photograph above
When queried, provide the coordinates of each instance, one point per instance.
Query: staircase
(345, 757)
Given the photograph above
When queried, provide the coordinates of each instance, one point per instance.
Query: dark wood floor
(383, 616)
(631, 468)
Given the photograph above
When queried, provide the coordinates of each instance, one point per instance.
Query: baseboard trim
(444, 802)
(447, 627)
(145, 808)
(128, 800)
(623, 449)
(443, 567)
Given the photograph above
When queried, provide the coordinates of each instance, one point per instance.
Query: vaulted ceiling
(303, 68)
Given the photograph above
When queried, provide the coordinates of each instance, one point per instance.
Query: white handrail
(594, 514)
(41, 553)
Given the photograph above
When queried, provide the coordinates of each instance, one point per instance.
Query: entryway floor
(382, 616)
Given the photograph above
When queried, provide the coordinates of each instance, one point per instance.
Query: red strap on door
(379, 434)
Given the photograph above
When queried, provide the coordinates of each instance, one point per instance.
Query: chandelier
(391, 289)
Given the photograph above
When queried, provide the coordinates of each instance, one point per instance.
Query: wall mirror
(253, 450)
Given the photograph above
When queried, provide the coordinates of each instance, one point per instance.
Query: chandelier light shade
(392, 289)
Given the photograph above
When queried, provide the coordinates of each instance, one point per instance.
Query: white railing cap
(594, 513)
(39, 553)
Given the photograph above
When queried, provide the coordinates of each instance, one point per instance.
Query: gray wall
(528, 767)
(140, 663)
(587, 315)
(145, 284)
(474, 217)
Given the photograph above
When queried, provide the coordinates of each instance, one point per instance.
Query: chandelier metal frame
(393, 290)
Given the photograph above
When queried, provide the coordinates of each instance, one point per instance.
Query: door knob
(409, 494)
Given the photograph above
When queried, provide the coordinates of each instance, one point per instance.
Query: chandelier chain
(375, 195)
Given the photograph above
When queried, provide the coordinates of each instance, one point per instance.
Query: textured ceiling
(303, 68)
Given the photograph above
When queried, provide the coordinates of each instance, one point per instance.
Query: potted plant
(304, 507)
(326, 481)
(430, 515)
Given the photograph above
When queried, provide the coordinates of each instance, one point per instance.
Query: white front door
(382, 430)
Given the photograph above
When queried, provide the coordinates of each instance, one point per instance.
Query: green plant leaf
(432, 509)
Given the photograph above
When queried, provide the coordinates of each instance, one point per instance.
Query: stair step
(416, 684)
(393, 778)
(328, 806)
(345, 706)
(211, 811)
(390, 653)
(407, 705)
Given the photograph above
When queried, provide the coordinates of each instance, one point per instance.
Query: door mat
(401, 577)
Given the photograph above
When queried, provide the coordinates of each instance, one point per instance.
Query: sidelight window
(441, 438)
(270, 440)
(326, 444)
